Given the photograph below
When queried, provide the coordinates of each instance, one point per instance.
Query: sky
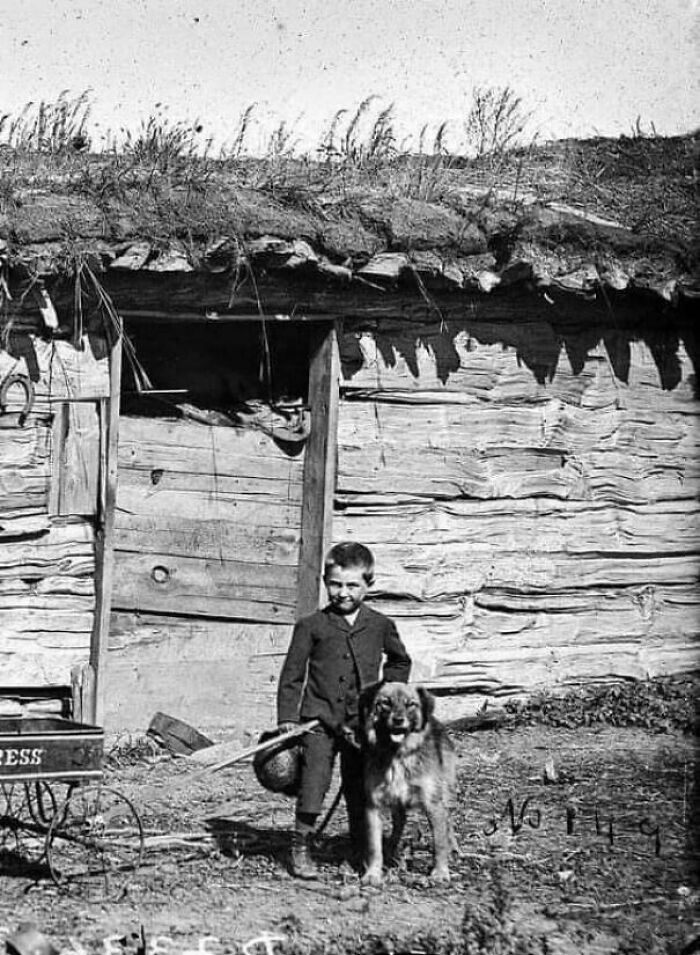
(583, 67)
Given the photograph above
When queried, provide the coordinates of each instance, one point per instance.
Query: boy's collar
(341, 622)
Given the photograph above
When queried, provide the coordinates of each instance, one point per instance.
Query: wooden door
(209, 523)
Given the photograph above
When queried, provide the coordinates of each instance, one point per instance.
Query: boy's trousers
(318, 755)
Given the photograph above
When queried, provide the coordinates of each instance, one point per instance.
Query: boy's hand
(286, 727)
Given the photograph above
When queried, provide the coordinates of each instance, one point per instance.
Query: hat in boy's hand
(279, 768)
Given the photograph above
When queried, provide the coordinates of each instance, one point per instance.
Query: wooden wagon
(55, 808)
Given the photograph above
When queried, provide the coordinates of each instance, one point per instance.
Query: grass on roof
(646, 182)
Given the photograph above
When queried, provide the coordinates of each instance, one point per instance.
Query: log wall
(49, 476)
(532, 499)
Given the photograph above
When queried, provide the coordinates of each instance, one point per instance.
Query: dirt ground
(572, 841)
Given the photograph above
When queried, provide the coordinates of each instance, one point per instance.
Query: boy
(334, 654)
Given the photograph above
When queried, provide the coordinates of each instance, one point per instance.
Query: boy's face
(346, 587)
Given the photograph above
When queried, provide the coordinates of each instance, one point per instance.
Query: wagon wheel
(26, 810)
(94, 843)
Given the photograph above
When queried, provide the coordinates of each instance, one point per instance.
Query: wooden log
(458, 451)
(506, 621)
(466, 363)
(529, 526)
(57, 584)
(67, 550)
(23, 526)
(527, 669)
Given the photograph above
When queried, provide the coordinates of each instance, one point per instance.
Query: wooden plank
(184, 536)
(162, 583)
(104, 549)
(222, 486)
(75, 459)
(212, 673)
(59, 433)
(145, 500)
(151, 638)
(143, 437)
(319, 469)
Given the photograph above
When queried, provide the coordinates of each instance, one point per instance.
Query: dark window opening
(217, 373)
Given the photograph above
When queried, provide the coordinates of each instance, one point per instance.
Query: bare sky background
(585, 67)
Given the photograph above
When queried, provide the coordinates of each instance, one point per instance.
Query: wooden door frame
(317, 498)
(94, 691)
(319, 465)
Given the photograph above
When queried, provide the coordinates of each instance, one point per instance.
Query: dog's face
(393, 711)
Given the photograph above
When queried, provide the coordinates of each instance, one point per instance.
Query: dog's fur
(409, 761)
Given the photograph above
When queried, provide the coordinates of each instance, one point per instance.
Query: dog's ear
(427, 702)
(367, 697)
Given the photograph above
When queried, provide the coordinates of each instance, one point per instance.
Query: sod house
(204, 383)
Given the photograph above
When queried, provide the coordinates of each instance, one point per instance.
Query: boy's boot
(303, 866)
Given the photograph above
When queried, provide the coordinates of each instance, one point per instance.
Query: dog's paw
(372, 877)
(440, 875)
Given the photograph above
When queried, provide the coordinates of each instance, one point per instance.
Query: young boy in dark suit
(334, 653)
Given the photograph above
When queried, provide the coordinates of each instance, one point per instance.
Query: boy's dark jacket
(342, 659)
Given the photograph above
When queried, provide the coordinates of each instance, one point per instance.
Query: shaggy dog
(409, 761)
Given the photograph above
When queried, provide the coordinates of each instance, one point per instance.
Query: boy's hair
(351, 554)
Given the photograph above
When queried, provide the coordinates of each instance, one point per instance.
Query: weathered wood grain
(507, 625)
(163, 583)
(180, 660)
(24, 468)
(319, 469)
(531, 526)
(531, 499)
(466, 362)
(75, 458)
(219, 448)
(142, 500)
(225, 487)
(185, 536)
(59, 371)
(496, 673)
(67, 550)
(533, 451)
(25, 526)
